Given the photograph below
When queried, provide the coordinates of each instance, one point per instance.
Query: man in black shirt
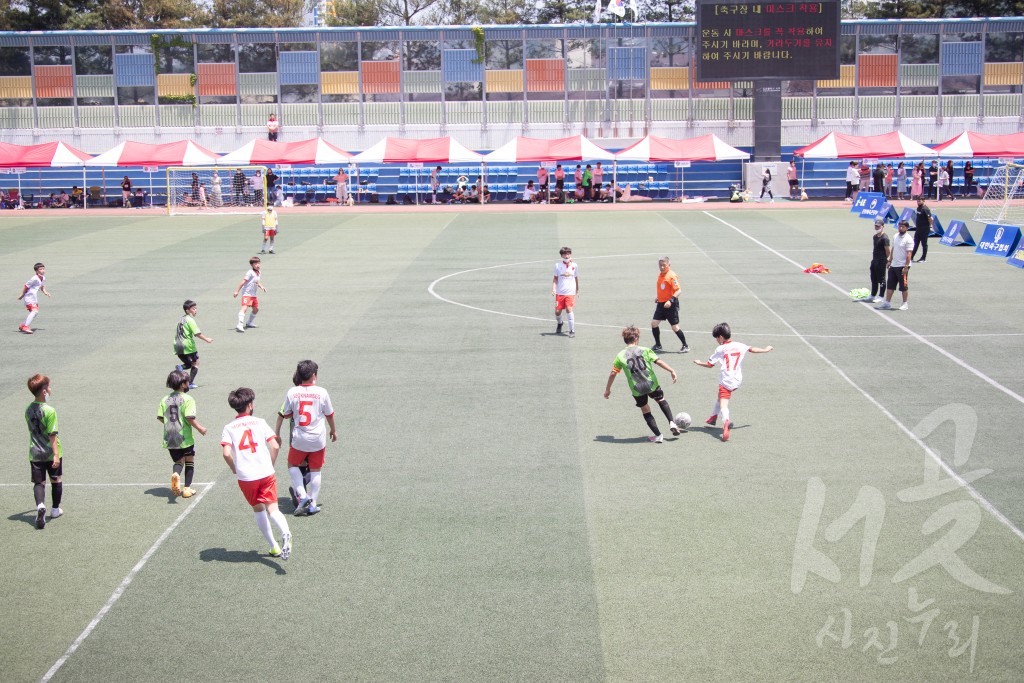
(880, 252)
(922, 228)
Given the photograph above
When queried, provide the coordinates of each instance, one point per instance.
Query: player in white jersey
(730, 354)
(250, 450)
(270, 227)
(308, 406)
(248, 286)
(29, 294)
(565, 287)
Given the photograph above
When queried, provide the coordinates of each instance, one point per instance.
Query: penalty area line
(125, 582)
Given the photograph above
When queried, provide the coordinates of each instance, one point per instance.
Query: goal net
(216, 189)
(1003, 202)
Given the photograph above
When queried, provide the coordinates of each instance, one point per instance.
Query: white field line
(105, 485)
(902, 427)
(124, 585)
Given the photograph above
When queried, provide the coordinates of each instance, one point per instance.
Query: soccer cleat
(920, 261)
(295, 499)
(40, 517)
(250, 326)
(676, 431)
(239, 328)
(884, 306)
(263, 251)
(303, 507)
(905, 306)
(572, 334)
(685, 349)
(725, 429)
(286, 546)
(271, 250)
(175, 484)
(713, 420)
(25, 328)
(558, 329)
(276, 551)
(312, 509)
(656, 439)
(55, 513)
(656, 347)
(188, 492)
(192, 386)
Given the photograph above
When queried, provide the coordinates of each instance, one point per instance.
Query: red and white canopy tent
(575, 148)
(45, 155)
(313, 151)
(971, 144)
(417, 151)
(703, 148)
(180, 153)
(843, 146)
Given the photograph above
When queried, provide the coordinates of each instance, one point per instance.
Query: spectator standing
(791, 177)
(560, 181)
(901, 180)
(922, 228)
(126, 192)
(238, 186)
(968, 179)
(852, 178)
(881, 252)
(878, 177)
(898, 267)
(341, 188)
(766, 184)
(578, 177)
(598, 179)
(435, 183)
(864, 176)
(588, 183)
(889, 176)
(273, 126)
(216, 200)
(542, 179)
(933, 178)
(945, 180)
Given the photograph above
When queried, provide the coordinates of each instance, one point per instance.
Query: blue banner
(957, 235)
(909, 215)
(998, 240)
(884, 210)
(867, 201)
(1017, 257)
(937, 230)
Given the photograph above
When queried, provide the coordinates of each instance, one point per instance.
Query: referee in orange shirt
(667, 307)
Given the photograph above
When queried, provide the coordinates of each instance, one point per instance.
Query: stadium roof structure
(575, 148)
(971, 144)
(842, 146)
(703, 148)
(45, 155)
(312, 151)
(180, 153)
(425, 151)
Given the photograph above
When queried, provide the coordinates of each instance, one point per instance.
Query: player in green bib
(45, 454)
(639, 362)
(177, 412)
(185, 336)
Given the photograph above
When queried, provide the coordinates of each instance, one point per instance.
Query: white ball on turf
(683, 420)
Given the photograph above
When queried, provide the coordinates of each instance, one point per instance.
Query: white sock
(279, 521)
(271, 245)
(314, 485)
(295, 474)
(252, 316)
(263, 246)
(725, 414)
(263, 522)
(572, 321)
(241, 317)
(30, 317)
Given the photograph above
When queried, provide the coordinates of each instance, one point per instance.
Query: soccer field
(487, 514)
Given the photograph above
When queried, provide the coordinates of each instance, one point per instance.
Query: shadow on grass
(26, 517)
(162, 492)
(236, 556)
(608, 438)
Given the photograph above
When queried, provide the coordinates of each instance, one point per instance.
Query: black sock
(56, 492)
(666, 409)
(39, 491)
(177, 468)
(193, 371)
(649, 417)
(682, 337)
(190, 470)
(656, 331)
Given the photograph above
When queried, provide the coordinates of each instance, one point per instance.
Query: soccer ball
(683, 420)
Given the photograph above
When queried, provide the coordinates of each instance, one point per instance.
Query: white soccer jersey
(32, 288)
(566, 275)
(308, 405)
(730, 355)
(248, 437)
(252, 278)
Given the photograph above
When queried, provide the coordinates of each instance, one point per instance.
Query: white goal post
(1003, 202)
(216, 189)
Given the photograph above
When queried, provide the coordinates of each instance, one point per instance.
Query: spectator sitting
(76, 196)
(459, 196)
(485, 195)
(7, 201)
(474, 196)
(187, 200)
(579, 193)
(278, 195)
(602, 192)
(139, 198)
(530, 193)
(63, 200)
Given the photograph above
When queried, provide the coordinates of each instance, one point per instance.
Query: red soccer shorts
(270, 232)
(723, 392)
(314, 459)
(563, 301)
(251, 301)
(31, 307)
(260, 490)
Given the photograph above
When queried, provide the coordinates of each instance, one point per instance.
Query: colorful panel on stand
(877, 71)
(54, 82)
(381, 77)
(545, 75)
(339, 82)
(216, 79)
